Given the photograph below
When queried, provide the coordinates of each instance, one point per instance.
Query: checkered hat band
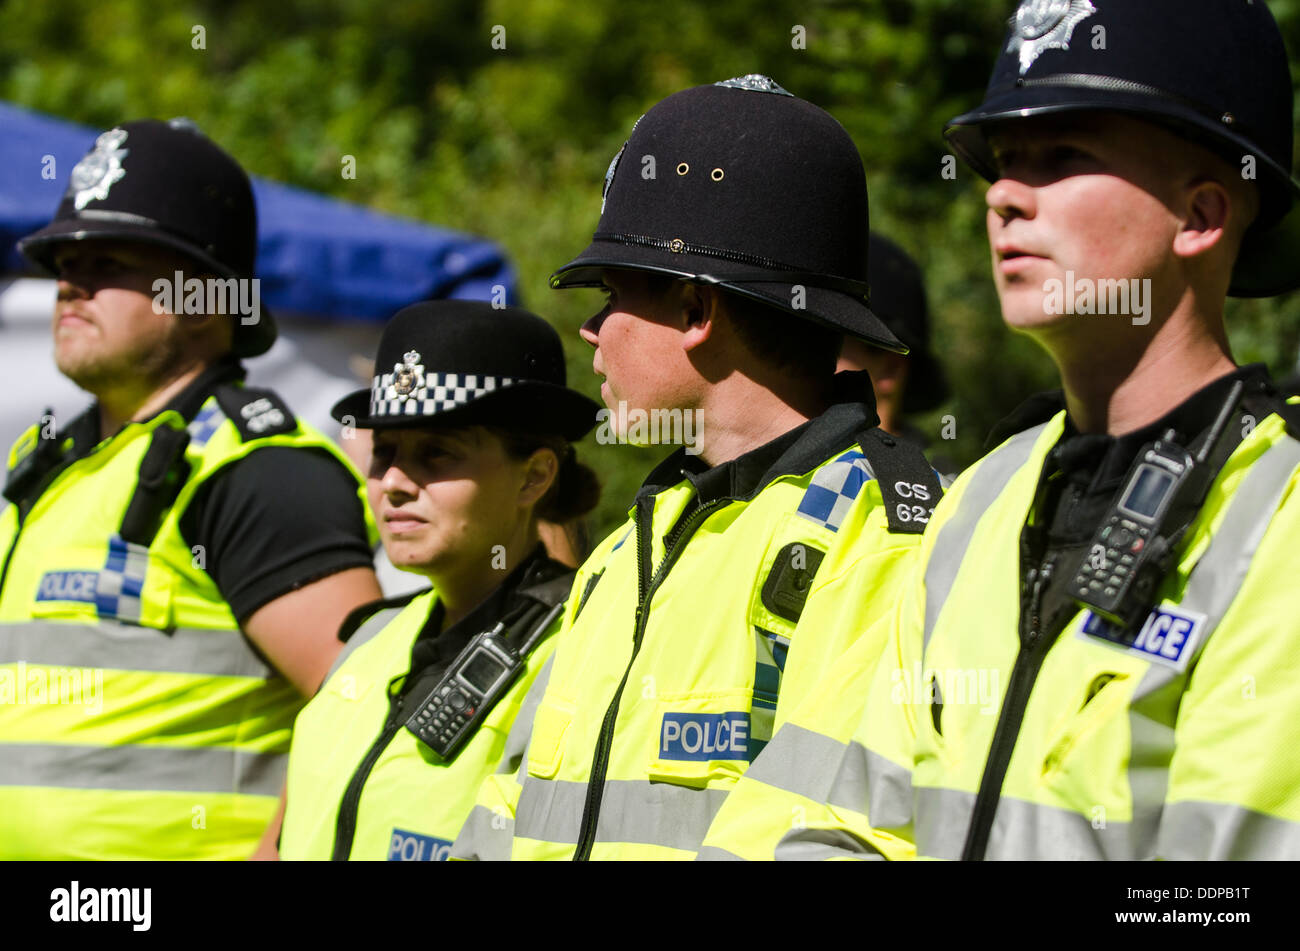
(430, 393)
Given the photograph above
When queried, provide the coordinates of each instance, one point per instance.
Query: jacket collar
(795, 452)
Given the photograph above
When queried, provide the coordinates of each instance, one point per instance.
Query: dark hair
(793, 344)
(576, 488)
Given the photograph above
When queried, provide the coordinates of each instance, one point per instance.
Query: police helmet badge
(408, 376)
(95, 174)
(755, 82)
(609, 176)
(1041, 25)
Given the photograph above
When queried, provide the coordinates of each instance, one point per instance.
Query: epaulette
(909, 486)
(256, 412)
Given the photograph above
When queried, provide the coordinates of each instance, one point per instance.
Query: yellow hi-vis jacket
(667, 672)
(351, 756)
(136, 720)
(1177, 747)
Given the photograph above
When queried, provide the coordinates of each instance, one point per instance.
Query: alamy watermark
(1117, 297)
(21, 685)
(948, 685)
(229, 296)
(639, 427)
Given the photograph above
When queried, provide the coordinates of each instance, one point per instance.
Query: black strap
(163, 472)
(908, 484)
(545, 600)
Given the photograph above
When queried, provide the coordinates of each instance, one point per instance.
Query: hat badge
(755, 82)
(408, 376)
(95, 174)
(1041, 25)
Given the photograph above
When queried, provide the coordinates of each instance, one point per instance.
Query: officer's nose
(69, 288)
(397, 485)
(1009, 198)
(590, 330)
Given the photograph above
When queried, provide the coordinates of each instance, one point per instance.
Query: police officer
(472, 430)
(1096, 658)
(174, 562)
(732, 249)
(903, 385)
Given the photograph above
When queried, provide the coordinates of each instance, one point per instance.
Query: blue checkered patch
(207, 422)
(830, 495)
(120, 584)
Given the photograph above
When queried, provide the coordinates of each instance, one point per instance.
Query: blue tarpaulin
(316, 255)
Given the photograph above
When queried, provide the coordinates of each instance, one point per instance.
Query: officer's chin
(1025, 312)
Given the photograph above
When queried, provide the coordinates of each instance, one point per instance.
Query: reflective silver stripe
(1025, 830)
(814, 845)
(516, 747)
(106, 644)
(986, 484)
(711, 853)
(1021, 830)
(1216, 830)
(942, 817)
(486, 836)
(848, 775)
(634, 811)
(209, 769)
(369, 628)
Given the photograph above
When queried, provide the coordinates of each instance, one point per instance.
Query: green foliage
(513, 143)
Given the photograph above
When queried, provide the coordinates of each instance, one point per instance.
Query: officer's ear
(1207, 207)
(699, 310)
(539, 472)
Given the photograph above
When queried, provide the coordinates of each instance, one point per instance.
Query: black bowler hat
(1212, 71)
(742, 185)
(162, 183)
(464, 363)
(898, 298)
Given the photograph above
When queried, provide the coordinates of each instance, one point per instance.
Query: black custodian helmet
(742, 185)
(163, 183)
(1214, 72)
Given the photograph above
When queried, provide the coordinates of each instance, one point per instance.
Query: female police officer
(472, 429)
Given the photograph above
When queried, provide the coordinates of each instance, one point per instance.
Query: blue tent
(315, 255)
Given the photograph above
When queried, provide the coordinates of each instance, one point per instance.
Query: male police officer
(1096, 657)
(177, 559)
(732, 245)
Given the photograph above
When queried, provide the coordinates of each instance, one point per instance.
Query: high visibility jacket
(668, 670)
(1177, 747)
(351, 755)
(136, 720)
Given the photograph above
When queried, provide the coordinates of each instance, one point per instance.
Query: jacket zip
(345, 828)
(1033, 649)
(646, 587)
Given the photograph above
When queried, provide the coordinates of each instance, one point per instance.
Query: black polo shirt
(269, 523)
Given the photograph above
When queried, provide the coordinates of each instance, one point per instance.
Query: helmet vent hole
(717, 174)
(683, 168)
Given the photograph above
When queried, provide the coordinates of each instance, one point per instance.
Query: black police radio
(1132, 550)
(481, 673)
